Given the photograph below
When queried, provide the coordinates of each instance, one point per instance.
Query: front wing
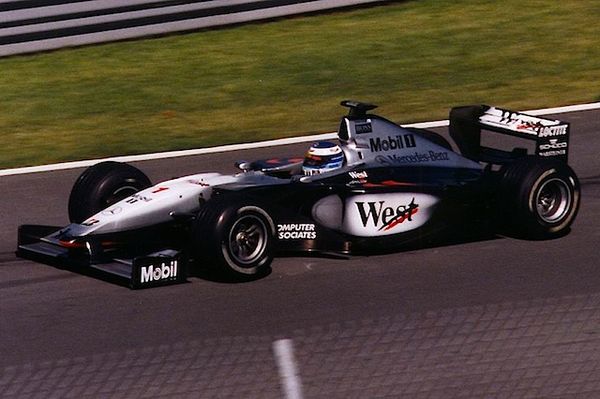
(158, 268)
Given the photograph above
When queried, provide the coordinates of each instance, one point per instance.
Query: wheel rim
(247, 240)
(553, 200)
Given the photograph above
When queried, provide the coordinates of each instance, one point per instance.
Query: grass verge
(415, 59)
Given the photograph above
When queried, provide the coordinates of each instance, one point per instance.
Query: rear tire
(539, 198)
(102, 185)
(233, 239)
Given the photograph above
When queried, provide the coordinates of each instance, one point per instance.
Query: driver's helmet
(322, 156)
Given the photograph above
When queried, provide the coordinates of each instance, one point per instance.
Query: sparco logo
(385, 217)
(165, 271)
(392, 143)
(553, 145)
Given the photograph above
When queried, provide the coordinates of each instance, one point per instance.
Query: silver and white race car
(381, 187)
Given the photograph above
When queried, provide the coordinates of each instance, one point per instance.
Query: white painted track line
(288, 371)
(260, 144)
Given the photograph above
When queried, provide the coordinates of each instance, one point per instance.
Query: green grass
(415, 59)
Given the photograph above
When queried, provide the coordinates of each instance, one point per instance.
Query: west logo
(164, 271)
(392, 143)
(358, 175)
(385, 217)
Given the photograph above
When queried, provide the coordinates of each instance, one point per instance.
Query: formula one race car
(381, 187)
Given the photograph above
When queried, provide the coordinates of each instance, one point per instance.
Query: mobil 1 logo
(392, 143)
(152, 271)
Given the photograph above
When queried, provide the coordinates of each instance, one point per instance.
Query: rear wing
(551, 136)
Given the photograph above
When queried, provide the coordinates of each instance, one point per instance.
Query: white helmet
(322, 156)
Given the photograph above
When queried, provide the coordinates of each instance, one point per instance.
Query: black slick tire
(102, 185)
(539, 198)
(233, 239)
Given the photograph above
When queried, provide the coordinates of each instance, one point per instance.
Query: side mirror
(244, 166)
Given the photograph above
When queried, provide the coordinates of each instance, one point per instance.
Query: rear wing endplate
(466, 123)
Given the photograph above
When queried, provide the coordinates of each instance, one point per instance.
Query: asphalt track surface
(491, 318)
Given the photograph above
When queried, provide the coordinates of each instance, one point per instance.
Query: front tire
(233, 239)
(540, 198)
(102, 185)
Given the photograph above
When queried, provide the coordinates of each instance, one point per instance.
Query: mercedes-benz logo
(113, 211)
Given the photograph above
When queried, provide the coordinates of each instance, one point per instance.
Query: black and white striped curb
(37, 25)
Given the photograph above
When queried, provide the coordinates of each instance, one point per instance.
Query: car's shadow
(466, 235)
